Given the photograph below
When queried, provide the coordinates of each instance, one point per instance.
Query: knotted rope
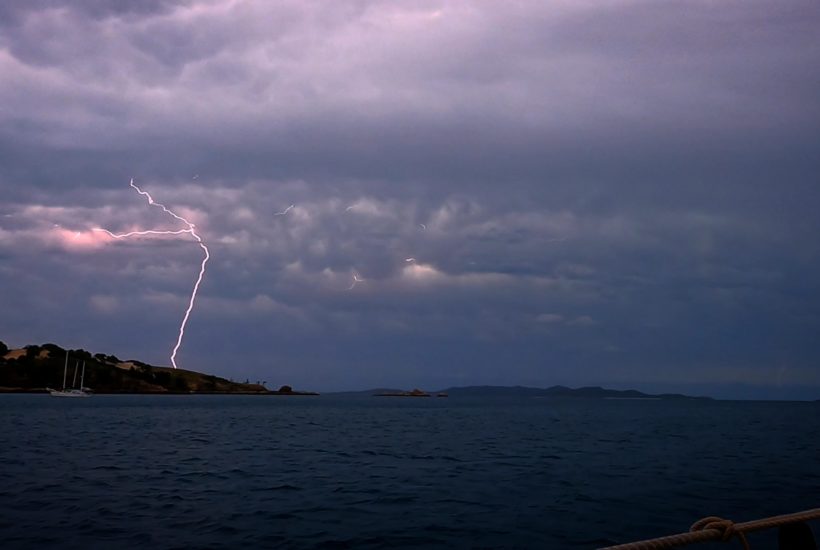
(715, 528)
(724, 526)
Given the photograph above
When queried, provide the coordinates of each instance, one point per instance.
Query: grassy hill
(35, 368)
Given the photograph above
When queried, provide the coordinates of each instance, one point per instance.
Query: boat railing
(795, 534)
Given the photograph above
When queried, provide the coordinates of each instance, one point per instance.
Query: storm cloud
(620, 193)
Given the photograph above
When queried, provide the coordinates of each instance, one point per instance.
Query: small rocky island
(34, 368)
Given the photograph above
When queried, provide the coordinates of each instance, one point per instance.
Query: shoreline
(261, 393)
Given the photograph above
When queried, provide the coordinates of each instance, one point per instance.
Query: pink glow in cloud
(78, 240)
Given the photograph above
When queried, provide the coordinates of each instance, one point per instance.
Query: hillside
(35, 368)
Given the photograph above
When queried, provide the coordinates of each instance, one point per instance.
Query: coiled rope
(715, 528)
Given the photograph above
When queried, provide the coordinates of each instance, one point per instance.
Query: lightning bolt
(147, 232)
(355, 280)
(192, 230)
(285, 211)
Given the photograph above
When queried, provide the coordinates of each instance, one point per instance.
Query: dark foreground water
(227, 472)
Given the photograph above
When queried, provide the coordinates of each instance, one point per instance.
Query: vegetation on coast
(35, 368)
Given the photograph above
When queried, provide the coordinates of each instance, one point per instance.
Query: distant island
(412, 393)
(486, 392)
(561, 391)
(34, 368)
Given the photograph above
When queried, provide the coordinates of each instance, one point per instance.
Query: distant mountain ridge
(525, 391)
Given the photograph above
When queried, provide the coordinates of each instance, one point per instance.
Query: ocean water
(333, 472)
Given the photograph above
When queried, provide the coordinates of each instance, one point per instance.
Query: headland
(35, 368)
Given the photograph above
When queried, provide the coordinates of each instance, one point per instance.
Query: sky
(621, 192)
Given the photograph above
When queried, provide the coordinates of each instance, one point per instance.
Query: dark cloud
(14, 12)
(621, 193)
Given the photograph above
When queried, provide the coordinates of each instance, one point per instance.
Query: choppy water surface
(225, 471)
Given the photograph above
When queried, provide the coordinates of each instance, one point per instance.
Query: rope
(715, 528)
(726, 527)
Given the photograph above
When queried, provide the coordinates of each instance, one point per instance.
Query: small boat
(72, 391)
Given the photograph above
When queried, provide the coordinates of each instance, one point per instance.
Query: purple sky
(620, 193)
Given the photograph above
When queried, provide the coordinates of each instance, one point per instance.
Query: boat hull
(69, 393)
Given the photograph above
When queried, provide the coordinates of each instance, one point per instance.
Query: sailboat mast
(65, 369)
(82, 376)
(76, 368)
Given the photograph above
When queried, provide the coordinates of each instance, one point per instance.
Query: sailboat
(72, 391)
